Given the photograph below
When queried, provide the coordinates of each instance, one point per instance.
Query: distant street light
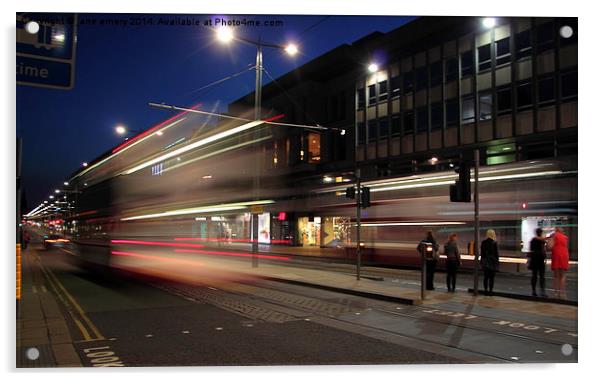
(372, 68)
(66, 183)
(120, 130)
(85, 164)
(57, 191)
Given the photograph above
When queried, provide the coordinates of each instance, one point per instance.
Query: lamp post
(226, 35)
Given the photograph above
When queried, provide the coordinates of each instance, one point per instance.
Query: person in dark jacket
(429, 248)
(490, 260)
(537, 261)
(452, 262)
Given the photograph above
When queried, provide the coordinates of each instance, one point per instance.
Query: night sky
(119, 69)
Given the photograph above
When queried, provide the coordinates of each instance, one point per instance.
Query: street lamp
(225, 35)
(373, 68)
(488, 22)
(120, 130)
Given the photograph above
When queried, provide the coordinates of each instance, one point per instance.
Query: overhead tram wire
(207, 113)
(232, 76)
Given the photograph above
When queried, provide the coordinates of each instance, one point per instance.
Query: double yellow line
(88, 330)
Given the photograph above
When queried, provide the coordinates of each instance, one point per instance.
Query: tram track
(339, 311)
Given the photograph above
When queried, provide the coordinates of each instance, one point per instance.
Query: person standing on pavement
(560, 261)
(537, 262)
(429, 248)
(490, 260)
(452, 262)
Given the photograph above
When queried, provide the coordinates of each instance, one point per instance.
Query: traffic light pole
(476, 222)
(358, 217)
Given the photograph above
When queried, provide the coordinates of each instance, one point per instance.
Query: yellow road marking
(78, 323)
(77, 307)
(54, 280)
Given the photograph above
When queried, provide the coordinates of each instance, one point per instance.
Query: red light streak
(161, 259)
(153, 243)
(275, 117)
(232, 254)
(151, 130)
(238, 240)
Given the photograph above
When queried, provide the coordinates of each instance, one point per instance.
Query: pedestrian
(452, 262)
(429, 248)
(537, 262)
(560, 261)
(490, 260)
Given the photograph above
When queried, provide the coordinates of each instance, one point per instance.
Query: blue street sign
(46, 58)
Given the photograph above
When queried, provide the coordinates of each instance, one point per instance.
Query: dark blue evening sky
(120, 69)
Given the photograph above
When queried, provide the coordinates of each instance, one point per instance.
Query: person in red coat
(560, 260)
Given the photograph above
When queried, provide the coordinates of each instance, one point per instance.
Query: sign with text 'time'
(46, 49)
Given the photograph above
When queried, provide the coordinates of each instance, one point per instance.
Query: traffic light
(365, 197)
(460, 191)
(350, 192)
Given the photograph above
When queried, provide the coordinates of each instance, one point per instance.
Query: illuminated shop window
(313, 148)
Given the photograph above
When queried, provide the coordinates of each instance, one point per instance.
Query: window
(395, 86)
(421, 78)
(523, 44)
(383, 128)
(485, 106)
(395, 125)
(504, 100)
(467, 63)
(408, 123)
(451, 112)
(484, 57)
(372, 130)
(371, 94)
(451, 69)
(502, 51)
(382, 91)
(468, 110)
(361, 133)
(524, 95)
(546, 90)
(408, 83)
(422, 120)
(436, 116)
(436, 74)
(569, 85)
(314, 147)
(361, 98)
(545, 36)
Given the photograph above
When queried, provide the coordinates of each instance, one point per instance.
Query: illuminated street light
(65, 183)
(372, 68)
(51, 197)
(57, 191)
(488, 22)
(224, 34)
(291, 49)
(120, 130)
(85, 164)
(566, 31)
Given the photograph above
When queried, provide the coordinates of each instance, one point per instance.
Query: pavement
(41, 324)
(74, 318)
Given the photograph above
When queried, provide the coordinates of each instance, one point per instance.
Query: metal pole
(19, 156)
(255, 216)
(358, 217)
(422, 275)
(476, 222)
